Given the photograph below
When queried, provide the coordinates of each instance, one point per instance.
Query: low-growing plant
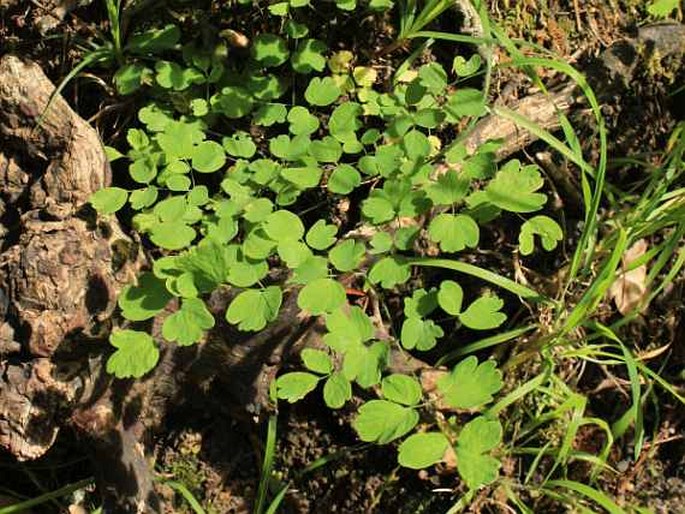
(127, 54)
(231, 149)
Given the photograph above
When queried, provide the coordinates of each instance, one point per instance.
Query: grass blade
(483, 274)
(44, 498)
(267, 463)
(596, 496)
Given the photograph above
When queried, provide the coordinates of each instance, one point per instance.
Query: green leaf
(304, 177)
(416, 145)
(155, 118)
(336, 391)
(208, 157)
(178, 183)
(279, 8)
(145, 300)
(484, 313)
(381, 242)
(266, 87)
(378, 209)
(422, 450)
(351, 323)
(309, 56)
(293, 252)
(429, 118)
(662, 8)
(239, 145)
(405, 237)
(450, 297)
(327, 149)
(381, 421)
(344, 179)
(317, 361)
(112, 153)
(549, 231)
(270, 114)
(344, 122)
(179, 139)
(421, 303)
(207, 263)
(257, 245)
(370, 361)
(199, 107)
(129, 78)
(295, 386)
(402, 389)
(269, 50)
(465, 102)
(415, 92)
(172, 208)
(290, 150)
(232, 102)
(245, 272)
(464, 68)
(478, 436)
(283, 225)
(314, 268)
(143, 170)
(513, 188)
(321, 235)
(296, 30)
(172, 76)
(251, 310)
(347, 255)
(454, 232)
(136, 354)
(108, 200)
(389, 272)
(420, 334)
(141, 198)
(188, 324)
(450, 188)
(470, 385)
(154, 40)
(321, 295)
(302, 121)
(322, 92)
(172, 235)
(433, 77)
(258, 210)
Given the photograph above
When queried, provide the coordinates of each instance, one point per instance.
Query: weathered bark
(60, 275)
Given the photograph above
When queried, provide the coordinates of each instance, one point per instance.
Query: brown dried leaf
(630, 287)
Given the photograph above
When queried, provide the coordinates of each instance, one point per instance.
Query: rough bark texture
(60, 274)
